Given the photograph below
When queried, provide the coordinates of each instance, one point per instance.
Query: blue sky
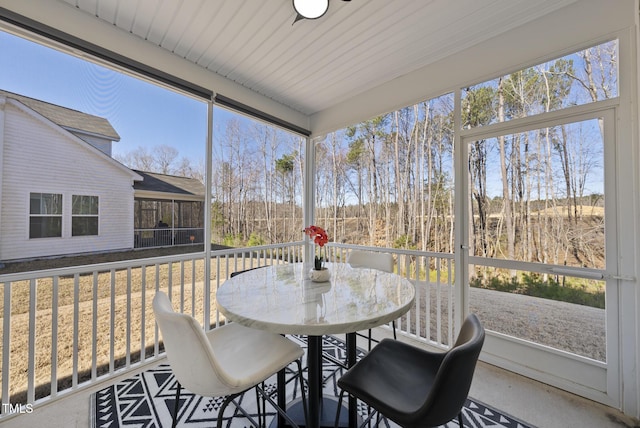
(144, 115)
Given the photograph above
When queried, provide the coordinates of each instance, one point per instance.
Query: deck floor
(538, 404)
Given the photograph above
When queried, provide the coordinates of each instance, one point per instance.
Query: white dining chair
(225, 361)
(372, 260)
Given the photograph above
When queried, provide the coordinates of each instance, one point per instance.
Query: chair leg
(338, 410)
(225, 403)
(260, 390)
(460, 419)
(367, 420)
(303, 394)
(176, 407)
(258, 405)
(393, 324)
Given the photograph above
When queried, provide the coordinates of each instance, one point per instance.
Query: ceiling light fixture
(310, 9)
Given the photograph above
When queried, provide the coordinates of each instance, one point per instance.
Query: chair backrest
(453, 380)
(189, 351)
(371, 259)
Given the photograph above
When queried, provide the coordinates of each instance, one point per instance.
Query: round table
(283, 300)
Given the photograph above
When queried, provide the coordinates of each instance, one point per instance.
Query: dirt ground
(574, 328)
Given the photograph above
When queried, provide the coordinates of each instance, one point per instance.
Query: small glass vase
(320, 275)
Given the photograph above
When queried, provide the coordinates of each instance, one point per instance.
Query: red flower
(318, 235)
(320, 238)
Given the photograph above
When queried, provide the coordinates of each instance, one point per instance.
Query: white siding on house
(41, 157)
(101, 144)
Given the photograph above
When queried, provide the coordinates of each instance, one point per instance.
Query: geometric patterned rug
(147, 400)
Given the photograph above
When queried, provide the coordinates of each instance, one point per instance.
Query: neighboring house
(168, 210)
(61, 192)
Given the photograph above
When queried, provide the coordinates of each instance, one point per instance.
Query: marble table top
(283, 300)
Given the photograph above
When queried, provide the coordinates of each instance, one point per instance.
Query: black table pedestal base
(328, 411)
(321, 409)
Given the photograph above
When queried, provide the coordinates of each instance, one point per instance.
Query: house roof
(71, 120)
(155, 182)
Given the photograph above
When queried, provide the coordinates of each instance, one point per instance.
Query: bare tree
(165, 157)
(141, 159)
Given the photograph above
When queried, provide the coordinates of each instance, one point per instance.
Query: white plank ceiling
(312, 65)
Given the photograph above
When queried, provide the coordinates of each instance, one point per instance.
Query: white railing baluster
(427, 290)
(438, 303)
(54, 336)
(31, 371)
(419, 293)
(143, 312)
(193, 290)
(94, 329)
(181, 286)
(170, 281)
(76, 329)
(128, 315)
(156, 329)
(217, 317)
(450, 315)
(6, 344)
(112, 321)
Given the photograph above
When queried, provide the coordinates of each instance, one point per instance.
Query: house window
(84, 215)
(45, 215)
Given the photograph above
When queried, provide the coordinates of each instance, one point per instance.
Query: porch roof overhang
(168, 187)
(361, 59)
(164, 196)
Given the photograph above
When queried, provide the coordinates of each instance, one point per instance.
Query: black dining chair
(236, 273)
(414, 387)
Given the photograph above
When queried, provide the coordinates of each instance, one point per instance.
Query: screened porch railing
(70, 328)
(167, 236)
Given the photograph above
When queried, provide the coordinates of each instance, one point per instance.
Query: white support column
(461, 204)
(207, 215)
(627, 139)
(309, 206)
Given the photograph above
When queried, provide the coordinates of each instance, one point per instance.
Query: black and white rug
(147, 400)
